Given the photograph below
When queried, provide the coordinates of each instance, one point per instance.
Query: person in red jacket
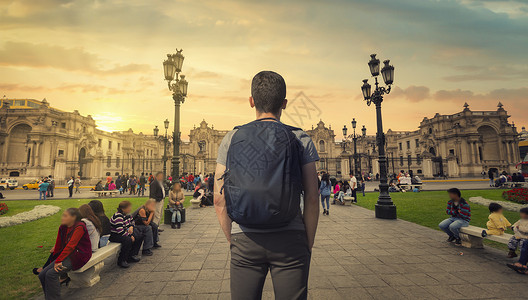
(72, 251)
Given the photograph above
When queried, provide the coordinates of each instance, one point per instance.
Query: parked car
(13, 183)
(7, 183)
(33, 185)
(3, 184)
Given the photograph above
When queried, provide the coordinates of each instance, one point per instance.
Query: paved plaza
(355, 257)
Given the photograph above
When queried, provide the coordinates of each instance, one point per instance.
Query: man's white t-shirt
(353, 182)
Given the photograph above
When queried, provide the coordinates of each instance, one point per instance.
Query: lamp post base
(384, 211)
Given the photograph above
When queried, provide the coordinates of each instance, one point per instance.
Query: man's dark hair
(524, 210)
(454, 191)
(268, 90)
(494, 207)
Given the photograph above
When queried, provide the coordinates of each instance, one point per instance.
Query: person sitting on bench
(145, 227)
(520, 229)
(122, 231)
(176, 205)
(497, 223)
(72, 251)
(459, 216)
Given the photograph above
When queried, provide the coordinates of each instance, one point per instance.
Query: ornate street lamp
(345, 130)
(354, 138)
(178, 85)
(385, 208)
(165, 141)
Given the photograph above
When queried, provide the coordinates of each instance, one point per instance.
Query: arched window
(321, 146)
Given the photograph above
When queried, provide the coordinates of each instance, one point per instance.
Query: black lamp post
(345, 131)
(165, 140)
(172, 68)
(363, 135)
(354, 138)
(385, 208)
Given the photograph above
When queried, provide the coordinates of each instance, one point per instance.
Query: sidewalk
(355, 257)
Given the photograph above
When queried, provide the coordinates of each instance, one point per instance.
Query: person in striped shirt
(122, 231)
(459, 216)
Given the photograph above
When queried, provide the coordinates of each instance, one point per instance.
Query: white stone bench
(471, 237)
(195, 203)
(410, 187)
(88, 275)
(103, 193)
(517, 184)
(348, 200)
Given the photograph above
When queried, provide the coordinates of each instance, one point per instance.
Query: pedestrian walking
(325, 190)
(78, 185)
(70, 186)
(261, 218)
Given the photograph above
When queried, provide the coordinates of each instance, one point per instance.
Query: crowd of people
(46, 187)
(190, 181)
(339, 188)
(499, 179)
(86, 229)
(125, 184)
(398, 181)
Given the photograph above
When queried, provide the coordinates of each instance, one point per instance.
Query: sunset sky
(104, 58)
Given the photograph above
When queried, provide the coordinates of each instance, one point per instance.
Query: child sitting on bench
(497, 223)
(520, 229)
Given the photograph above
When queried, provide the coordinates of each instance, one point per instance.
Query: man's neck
(262, 115)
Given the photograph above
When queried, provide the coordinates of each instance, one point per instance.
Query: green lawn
(20, 245)
(428, 208)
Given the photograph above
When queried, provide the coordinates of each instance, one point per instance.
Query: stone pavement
(355, 257)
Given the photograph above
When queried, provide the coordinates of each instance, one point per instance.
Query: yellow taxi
(31, 186)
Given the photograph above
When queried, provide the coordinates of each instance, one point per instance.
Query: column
(34, 153)
(514, 158)
(477, 153)
(470, 152)
(508, 154)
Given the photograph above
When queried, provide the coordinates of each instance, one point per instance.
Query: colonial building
(38, 140)
(457, 145)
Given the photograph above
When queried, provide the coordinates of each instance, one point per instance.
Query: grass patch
(428, 208)
(18, 208)
(19, 245)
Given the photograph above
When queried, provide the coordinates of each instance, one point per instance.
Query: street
(61, 192)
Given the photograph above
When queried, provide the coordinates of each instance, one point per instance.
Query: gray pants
(148, 233)
(515, 243)
(285, 254)
(49, 278)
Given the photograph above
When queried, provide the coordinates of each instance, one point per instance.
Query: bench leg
(470, 241)
(87, 278)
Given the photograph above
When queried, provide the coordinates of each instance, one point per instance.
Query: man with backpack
(262, 169)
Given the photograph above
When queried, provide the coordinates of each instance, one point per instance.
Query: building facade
(37, 140)
(459, 145)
